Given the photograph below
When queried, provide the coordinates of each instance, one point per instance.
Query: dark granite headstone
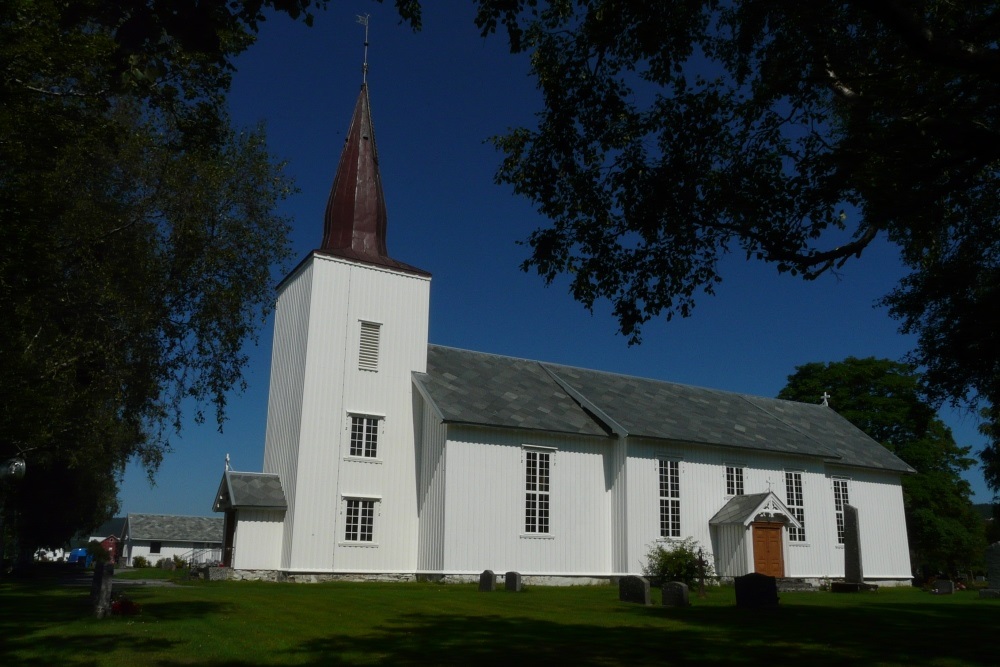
(853, 573)
(992, 590)
(756, 591)
(943, 587)
(487, 582)
(512, 582)
(675, 594)
(993, 565)
(633, 589)
(100, 592)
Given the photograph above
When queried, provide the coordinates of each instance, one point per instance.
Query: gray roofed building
(492, 390)
(170, 528)
(249, 489)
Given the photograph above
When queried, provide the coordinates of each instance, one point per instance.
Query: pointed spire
(355, 221)
(355, 212)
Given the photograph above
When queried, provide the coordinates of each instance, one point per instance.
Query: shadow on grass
(28, 614)
(809, 635)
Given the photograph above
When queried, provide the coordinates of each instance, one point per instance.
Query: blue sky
(436, 97)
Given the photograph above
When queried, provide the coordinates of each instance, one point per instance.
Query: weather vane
(363, 20)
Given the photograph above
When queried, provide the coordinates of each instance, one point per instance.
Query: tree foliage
(793, 133)
(138, 233)
(883, 398)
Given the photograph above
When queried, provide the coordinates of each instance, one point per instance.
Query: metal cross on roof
(826, 399)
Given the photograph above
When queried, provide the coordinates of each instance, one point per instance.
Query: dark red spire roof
(355, 221)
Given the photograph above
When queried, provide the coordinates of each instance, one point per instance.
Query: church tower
(350, 329)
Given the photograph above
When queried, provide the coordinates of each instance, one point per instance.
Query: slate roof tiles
(491, 390)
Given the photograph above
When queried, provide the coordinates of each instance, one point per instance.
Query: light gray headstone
(633, 589)
(104, 576)
(487, 582)
(853, 573)
(944, 587)
(675, 594)
(512, 582)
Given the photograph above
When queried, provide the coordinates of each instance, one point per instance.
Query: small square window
(364, 436)
(359, 520)
(154, 547)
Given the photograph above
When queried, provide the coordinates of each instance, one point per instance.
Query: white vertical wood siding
(431, 488)
(258, 540)
(484, 505)
(703, 493)
(341, 295)
(879, 499)
(284, 407)
(167, 551)
(732, 545)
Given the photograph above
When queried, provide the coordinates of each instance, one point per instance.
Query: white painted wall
(878, 496)
(484, 504)
(316, 384)
(258, 539)
(431, 487)
(168, 550)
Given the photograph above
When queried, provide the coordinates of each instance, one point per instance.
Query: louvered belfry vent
(368, 350)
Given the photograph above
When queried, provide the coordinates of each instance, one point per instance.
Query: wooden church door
(767, 557)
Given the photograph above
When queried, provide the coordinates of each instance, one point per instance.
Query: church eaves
(354, 226)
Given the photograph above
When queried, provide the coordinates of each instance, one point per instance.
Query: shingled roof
(249, 489)
(476, 388)
(170, 528)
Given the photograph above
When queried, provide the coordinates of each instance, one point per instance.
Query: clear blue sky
(436, 97)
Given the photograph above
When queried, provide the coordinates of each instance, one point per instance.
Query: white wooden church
(389, 457)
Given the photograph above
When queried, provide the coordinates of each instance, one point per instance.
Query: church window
(734, 480)
(795, 503)
(155, 547)
(368, 350)
(670, 498)
(840, 499)
(359, 521)
(537, 466)
(364, 436)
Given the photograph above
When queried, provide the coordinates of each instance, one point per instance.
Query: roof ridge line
(746, 398)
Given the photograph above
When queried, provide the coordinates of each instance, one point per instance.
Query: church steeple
(355, 221)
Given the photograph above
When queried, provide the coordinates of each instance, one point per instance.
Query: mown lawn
(43, 622)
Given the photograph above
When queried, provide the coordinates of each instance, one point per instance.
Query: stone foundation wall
(318, 578)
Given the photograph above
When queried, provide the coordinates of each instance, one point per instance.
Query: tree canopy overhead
(883, 398)
(139, 233)
(792, 133)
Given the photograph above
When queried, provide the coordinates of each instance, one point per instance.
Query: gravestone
(943, 587)
(675, 594)
(756, 591)
(512, 582)
(853, 573)
(100, 592)
(992, 572)
(487, 582)
(633, 589)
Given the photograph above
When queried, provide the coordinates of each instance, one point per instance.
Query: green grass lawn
(239, 623)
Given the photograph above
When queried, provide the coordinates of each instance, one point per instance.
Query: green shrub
(676, 561)
(179, 563)
(140, 561)
(99, 553)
